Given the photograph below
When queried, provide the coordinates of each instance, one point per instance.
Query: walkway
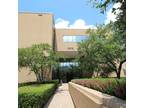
(61, 98)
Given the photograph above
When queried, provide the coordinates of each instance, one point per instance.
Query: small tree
(101, 53)
(39, 58)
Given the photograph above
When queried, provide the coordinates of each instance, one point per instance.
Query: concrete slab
(61, 98)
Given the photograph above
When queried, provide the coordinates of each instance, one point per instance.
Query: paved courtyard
(61, 98)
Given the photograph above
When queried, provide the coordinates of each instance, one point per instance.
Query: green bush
(35, 82)
(112, 86)
(35, 95)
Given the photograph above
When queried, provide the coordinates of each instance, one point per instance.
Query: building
(36, 28)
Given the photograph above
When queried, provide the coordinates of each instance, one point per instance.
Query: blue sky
(65, 10)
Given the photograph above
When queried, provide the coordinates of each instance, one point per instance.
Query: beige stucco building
(69, 49)
(36, 28)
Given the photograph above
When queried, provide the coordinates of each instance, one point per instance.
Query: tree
(39, 58)
(101, 53)
(118, 27)
(120, 23)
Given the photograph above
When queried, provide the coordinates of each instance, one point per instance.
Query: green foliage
(34, 82)
(101, 53)
(39, 58)
(111, 86)
(90, 50)
(76, 71)
(116, 48)
(120, 23)
(35, 95)
(103, 4)
(110, 47)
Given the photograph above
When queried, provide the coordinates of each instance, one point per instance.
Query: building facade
(36, 28)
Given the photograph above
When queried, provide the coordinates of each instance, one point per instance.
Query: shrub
(35, 82)
(112, 86)
(35, 95)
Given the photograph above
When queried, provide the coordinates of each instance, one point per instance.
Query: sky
(67, 13)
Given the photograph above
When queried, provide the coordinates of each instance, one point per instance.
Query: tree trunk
(119, 69)
(38, 77)
(118, 74)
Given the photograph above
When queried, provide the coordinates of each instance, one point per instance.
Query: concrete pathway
(61, 98)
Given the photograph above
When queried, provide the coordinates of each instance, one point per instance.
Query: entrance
(67, 71)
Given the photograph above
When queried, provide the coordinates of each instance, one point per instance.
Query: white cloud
(61, 23)
(111, 16)
(78, 24)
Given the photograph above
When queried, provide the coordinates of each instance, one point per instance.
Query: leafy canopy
(39, 58)
(101, 53)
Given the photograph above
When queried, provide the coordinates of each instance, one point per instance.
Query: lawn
(112, 86)
(35, 95)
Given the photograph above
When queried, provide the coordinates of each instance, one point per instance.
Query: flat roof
(35, 13)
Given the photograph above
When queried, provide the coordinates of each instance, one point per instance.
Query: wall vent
(40, 15)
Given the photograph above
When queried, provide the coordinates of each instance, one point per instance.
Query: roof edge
(36, 13)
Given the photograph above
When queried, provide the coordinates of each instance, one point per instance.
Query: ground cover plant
(35, 95)
(112, 86)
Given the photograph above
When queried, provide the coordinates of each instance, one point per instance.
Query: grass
(112, 86)
(35, 95)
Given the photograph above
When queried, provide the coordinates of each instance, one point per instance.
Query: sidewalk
(61, 98)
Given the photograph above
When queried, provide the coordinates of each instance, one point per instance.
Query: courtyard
(72, 63)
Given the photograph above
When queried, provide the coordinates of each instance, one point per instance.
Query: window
(67, 64)
(74, 38)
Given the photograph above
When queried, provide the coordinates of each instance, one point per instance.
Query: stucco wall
(113, 74)
(67, 48)
(35, 28)
(123, 71)
(25, 75)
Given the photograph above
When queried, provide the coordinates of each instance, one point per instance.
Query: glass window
(67, 64)
(74, 38)
(65, 39)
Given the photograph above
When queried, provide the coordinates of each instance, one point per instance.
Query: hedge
(34, 82)
(32, 95)
(112, 86)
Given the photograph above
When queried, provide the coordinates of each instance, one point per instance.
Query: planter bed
(35, 95)
(111, 86)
